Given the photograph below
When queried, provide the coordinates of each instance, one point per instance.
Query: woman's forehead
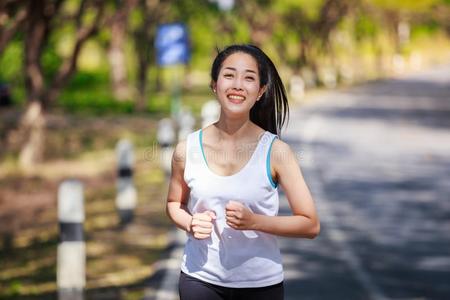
(241, 61)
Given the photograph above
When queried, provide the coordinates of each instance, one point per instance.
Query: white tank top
(232, 258)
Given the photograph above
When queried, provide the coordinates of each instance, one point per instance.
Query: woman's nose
(237, 83)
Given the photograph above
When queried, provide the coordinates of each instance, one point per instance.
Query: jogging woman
(224, 186)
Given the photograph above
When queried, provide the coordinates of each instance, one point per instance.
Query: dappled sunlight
(127, 275)
(93, 164)
(91, 57)
(34, 236)
(29, 289)
(101, 222)
(29, 267)
(116, 257)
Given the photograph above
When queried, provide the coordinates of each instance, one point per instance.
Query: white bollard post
(309, 77)
(415, 61)
(328, 77)
(71, 252)
(347, 74)
(166, 140)
(126, 198)
(186, 123)
(404, 32)
(210, 113)
(398, 64)
(225, 5)
(296, 88)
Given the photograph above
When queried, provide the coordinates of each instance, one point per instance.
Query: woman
(224, 186)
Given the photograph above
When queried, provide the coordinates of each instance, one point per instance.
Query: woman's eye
(250, 78)
(228, 75)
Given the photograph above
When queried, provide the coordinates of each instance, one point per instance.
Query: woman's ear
(262, 90)
(213, 86)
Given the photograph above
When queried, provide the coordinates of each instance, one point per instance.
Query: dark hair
(272, 110)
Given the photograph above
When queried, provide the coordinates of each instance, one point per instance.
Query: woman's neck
(233, 127)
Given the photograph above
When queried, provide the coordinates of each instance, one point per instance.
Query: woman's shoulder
(281, 146)
(179, 153)
(282, 153)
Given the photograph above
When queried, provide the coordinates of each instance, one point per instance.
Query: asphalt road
(377, 160)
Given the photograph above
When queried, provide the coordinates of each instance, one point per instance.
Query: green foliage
(94, 102)
(200, 30)
(70, 6)
(11, 70)
(365, 27)
(424, 30)
(14, 288)
(310, 8)
(159, 103)
(405, 5)
(11, 62)
(242, 33)
(291, 26)
(51, 62)
(136, 19)
(90, 92)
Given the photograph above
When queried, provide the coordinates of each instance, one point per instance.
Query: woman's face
(237, 87)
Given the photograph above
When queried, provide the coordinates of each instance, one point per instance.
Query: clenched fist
(201, 225)
(238, 216)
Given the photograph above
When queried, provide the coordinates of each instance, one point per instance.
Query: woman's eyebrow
(234, 69)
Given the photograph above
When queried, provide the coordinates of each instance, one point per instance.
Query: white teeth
(236, 97)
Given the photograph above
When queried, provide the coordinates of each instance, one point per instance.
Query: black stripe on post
(71, 232)
(125, 172)
(126, 216)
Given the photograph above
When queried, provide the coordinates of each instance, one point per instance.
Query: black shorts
(191, 288)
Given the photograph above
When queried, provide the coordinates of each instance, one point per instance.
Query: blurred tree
(206, 26)
(313, 21)
(12, 17)
(41, 19)
(397, 15)
(260, 19)
(150, 13)
(441, 14)
(116, 50)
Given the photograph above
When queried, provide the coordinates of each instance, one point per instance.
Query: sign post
(172, 48)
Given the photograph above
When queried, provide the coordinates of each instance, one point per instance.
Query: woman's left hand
(238, 216)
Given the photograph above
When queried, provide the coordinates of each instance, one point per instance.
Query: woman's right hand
(201, 225)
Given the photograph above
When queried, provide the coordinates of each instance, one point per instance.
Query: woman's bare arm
(178, 190)
(199, 224)
(304, 221)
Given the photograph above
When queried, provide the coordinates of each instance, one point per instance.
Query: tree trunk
(32, 128)
(32, 124)
(158, 79)
(143, 43)
(116, 53)
(142, 84)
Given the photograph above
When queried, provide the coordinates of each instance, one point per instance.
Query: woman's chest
(227, 160)
(209, 191)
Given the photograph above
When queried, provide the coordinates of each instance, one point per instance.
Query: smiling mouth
(236, 98)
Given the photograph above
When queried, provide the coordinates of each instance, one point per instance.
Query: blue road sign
(172, 44)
